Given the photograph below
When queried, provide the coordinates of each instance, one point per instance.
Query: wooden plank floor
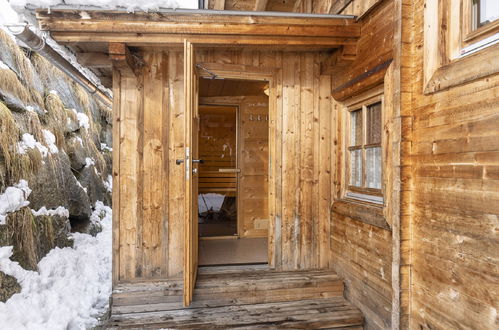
(227, 298)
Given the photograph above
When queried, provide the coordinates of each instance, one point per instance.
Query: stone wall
(57, 137)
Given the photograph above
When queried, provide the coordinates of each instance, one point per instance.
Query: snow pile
(60, 211)
(29, 142)
(71, 288)
(83, 119)
(148, 5)
(13, 199)
(50, 141)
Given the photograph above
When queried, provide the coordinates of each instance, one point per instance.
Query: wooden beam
(261, 5)
(94, 60)
(123, 60)
(158, 39)
(218, 4)
(343, 56)
(338, 6)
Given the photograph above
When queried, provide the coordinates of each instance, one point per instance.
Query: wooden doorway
(241, 153)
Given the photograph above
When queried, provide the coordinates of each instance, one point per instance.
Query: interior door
(191, 173)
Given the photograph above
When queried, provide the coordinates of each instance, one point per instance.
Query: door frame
(273, 77)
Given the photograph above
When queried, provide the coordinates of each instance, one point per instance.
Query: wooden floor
(237, 298)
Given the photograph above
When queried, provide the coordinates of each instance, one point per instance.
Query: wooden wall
(150, 121)
(455, 149)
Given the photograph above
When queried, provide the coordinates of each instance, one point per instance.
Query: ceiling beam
(123, 60)
(94, 60)
(158, 39)
(261, 5)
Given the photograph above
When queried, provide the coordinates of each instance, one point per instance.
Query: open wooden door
(191, 82)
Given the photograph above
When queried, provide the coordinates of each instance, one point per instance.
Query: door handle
(179, 161)
(199, 161)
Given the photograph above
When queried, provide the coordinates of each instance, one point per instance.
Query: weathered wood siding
(455, 282)
(151, 123)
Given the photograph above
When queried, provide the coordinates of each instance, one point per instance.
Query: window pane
(356, 168)
(356, 128)
(374, 123)
(373, 168)
(484, 12)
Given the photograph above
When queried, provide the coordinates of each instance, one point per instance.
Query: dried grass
(56, 118)
(11, 85)
(21, 228)
(17, 166)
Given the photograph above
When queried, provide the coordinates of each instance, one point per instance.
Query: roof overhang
(202, 27)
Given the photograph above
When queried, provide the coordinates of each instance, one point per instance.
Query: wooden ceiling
(231, 87)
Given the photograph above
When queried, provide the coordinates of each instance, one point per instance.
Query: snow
(50, 141)
(83, 119)
(13, 199)
(109, 183)
(7, 14)
(147, 5)
(29, 142)
(71, 287)
(79, 140)
(60, 211)
(89, 162)
(4, 66)
(105, 147)
(54, 92)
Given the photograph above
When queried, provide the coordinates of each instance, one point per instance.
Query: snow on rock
(3, 66)
(89, 162)
(149, 5)
(29, 142)
(109, 183)
(83, 119)
(13, 199)
(72, 285)
(50, 141)
(60, 211)
(105, 147)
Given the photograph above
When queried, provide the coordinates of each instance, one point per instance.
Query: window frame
(370, 195)
(453, 53)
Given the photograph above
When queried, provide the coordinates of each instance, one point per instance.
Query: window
(363, 150)
(461, 42)
(479, 25)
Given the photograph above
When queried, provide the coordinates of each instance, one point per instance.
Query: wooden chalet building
(303, 164)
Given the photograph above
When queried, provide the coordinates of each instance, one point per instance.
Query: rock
(8, 286)
(76, 152)
(96, 190)
(55, 185)
(106, 135)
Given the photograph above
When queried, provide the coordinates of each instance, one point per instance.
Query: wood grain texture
(455, 198)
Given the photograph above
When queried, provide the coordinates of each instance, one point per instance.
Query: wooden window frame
(369, 195)
(453, 53)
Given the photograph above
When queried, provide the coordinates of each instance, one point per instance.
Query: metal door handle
(200, 161)
(179, 161)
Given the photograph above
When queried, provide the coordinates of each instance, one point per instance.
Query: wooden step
(331, 313)
(227, 289)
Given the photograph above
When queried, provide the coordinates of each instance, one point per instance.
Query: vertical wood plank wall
(151, 184)
(455, 217)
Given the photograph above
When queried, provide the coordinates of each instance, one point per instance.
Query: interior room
(233, 172)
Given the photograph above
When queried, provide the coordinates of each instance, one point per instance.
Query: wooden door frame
(246, 72)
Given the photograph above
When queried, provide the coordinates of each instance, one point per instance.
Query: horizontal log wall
(151, 121)
(456, 200)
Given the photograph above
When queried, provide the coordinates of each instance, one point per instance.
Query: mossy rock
(8, 286)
